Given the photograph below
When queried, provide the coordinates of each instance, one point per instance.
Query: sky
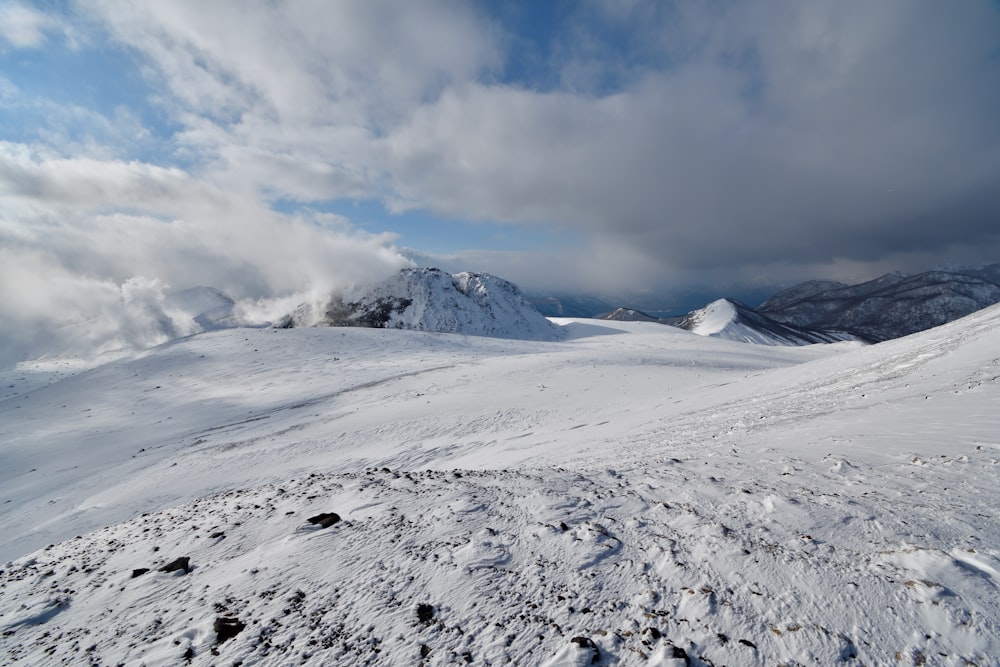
(629, 149)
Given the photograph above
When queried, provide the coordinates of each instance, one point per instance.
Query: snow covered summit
(428, 299)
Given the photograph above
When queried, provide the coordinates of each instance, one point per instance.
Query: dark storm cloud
(796, 132)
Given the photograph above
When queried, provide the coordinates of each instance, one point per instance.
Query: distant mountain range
(481, 304)
(891, 306)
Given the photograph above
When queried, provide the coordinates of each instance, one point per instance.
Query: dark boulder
(324, 520)
(182, 563)
(226, 628)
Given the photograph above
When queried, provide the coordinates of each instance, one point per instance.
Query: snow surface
(632, 494)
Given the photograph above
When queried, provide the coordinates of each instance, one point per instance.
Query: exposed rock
(324, 520)
(226, 628)
(425, 613)
(182, 563)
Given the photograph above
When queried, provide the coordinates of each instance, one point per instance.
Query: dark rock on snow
(226, 628)
(182, 563)
(324, 520)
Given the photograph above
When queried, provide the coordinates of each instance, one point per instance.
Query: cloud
(700, 136)
(25, 27)
(296, 94)
(734, 143)
(804, 132)
(90, 245)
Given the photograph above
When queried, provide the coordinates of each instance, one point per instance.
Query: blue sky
(628, 148)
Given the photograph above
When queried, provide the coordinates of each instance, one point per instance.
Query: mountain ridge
(890, 306)
(893, 305)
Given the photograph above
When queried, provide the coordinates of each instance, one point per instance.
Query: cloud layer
(734, 143)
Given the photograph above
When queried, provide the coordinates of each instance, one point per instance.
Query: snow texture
(631, 494)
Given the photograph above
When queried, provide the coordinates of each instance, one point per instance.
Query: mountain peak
(714, 318)
(428, 299)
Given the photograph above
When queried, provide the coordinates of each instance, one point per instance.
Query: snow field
(632, 495)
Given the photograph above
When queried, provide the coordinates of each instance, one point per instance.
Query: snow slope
(633, 494)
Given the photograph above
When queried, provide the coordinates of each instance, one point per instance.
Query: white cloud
(88, 244)
(25, 27)
(295, 94)
(722, 135)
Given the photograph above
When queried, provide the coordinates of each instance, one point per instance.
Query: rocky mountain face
(889, 307)
(423, 299)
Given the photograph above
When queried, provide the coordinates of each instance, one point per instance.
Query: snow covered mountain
(429, 299)
(628, 495)
(733, 321)
(889, 307)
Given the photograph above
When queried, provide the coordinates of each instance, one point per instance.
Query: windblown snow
(628, 494)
